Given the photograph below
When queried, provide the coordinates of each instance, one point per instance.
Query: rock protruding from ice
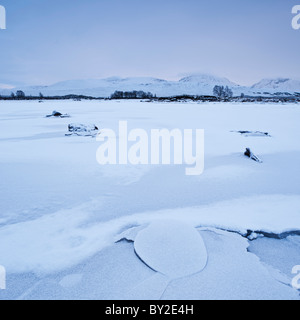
(57, 114)
(172, 248)
(82, 130)
(251, 155)
(253, 133)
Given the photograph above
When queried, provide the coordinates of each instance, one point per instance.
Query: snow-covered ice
(64, 219)
(172, 248)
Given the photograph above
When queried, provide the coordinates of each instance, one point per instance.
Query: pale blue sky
(52, 40)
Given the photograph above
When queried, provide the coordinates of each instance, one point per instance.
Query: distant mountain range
(202, 84)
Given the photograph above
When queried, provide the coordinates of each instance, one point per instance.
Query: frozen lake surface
(68, 224)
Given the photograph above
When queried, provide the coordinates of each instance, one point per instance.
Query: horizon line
(9, 86)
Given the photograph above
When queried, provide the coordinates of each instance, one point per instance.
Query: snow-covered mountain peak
(197, 84)
(207, 79)
(278, 84)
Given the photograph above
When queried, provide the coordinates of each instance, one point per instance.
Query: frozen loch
(71, 228)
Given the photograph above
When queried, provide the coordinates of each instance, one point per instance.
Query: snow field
(62, 213)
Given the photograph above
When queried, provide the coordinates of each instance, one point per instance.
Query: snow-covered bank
(61, 212)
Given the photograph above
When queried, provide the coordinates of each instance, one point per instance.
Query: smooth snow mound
(171, 248)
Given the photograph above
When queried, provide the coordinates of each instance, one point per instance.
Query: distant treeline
(220, 94)
(20, 95)
(243, 99)
(187, 98)
(132, 95)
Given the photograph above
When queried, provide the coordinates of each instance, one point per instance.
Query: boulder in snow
(57, 114)
(82, 130)
(251, 155)
(253, 133)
